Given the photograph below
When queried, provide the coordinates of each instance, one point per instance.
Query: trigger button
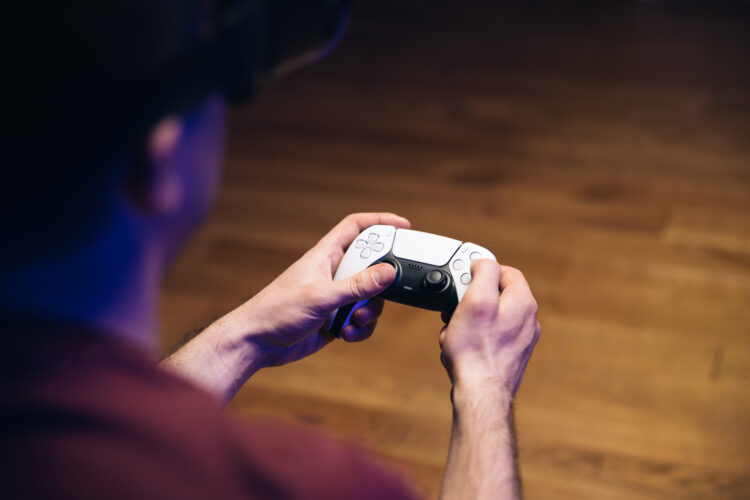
(365, 253)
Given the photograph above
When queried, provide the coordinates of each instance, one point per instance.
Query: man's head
(122, 102)
(87, 136)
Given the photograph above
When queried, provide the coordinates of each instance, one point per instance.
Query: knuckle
(530, 333)
(485, 266)
(353, 218)
(514, 272)
(348, 221)
(363, 316)
(481, 307)
(357, 286)
(530, 306)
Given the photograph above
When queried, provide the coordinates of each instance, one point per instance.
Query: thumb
(363, 285)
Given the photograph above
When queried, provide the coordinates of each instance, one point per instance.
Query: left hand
(286, 320)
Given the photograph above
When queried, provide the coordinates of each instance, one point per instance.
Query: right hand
(493, 331)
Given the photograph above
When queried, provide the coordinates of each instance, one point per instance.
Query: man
(86, 412)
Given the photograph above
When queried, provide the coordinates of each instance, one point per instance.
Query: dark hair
(79, 96)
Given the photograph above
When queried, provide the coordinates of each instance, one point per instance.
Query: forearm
(481, 460)
(219, 359)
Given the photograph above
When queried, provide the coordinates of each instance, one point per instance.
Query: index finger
(514, 289)
(339, 238)
(512, 279)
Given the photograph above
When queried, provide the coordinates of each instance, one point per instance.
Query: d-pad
(370, 245)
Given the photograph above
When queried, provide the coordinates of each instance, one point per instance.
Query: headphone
(69, 130)
(242, 45)
(259, 40)
(251, 42)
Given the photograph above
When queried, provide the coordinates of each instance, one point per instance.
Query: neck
(109, 284)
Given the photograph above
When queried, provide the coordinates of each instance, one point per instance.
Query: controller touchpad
(424, 247)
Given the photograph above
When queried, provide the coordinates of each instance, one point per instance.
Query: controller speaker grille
(415, 267)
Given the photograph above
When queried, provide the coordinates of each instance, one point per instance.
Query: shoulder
(99, 420)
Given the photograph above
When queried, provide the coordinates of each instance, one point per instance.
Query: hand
(486, 347)
(285, 321)
(493, 331)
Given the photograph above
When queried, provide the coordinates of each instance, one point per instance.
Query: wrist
(237, 343)
(220, 359)
(481, 396)
(481, 375)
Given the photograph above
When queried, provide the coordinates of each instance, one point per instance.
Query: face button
(365, 253)
(360, 244)
(435, 280)
(372, 238)
(475, 255)
(378, 247)
(466, 278)
(458, 264)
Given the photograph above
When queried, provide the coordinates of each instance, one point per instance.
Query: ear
(155, 182)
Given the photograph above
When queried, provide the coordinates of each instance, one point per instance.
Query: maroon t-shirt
(85, 416)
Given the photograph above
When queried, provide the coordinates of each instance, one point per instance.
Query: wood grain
(602, 149)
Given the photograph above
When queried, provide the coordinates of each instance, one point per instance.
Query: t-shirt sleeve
(301, 462)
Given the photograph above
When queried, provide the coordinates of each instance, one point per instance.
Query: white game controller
(432, 272)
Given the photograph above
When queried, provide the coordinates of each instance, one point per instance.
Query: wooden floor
(605, 151)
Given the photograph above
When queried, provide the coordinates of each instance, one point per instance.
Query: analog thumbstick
(435, 280)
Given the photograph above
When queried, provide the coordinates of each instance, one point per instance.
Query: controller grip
(342, 317)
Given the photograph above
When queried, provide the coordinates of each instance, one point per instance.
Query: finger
(443, 334)
(354, 334)
(339, 238)
(485, 280)
(516, 293)
(363, 285)
(512, 277)
(369, 313)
